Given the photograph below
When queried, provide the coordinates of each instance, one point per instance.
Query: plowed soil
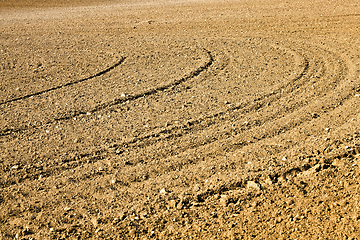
(160, 119)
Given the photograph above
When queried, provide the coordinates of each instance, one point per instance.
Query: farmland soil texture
(164, 119)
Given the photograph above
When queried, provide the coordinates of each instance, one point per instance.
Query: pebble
(94, 221)
(224, 200)
(132, 232)
(172, 204)
(163, 191)
(180, 206)
(337, 163)
(268, 181)
(253, 185)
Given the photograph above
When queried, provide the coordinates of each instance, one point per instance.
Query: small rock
(317, 167)
(290, 202)
(282, 177)
(118, 151)
(180, 206)
(94, 221)
(268, 181)
(196, 188)
(66, 209)
(337, 163)
(224, 200)
(132, 233)
(253, 185)
(356, 217)
(278, 220)
(163, 191)
(172, 204)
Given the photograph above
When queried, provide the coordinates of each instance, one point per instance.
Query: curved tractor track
(215, 135)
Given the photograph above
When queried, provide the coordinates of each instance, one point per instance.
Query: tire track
(67, 84)
(275, 132)
(192, 127)
(314, 162)
(58, 168)
(114, 102)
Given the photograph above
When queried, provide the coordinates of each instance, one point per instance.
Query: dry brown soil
(164, 119)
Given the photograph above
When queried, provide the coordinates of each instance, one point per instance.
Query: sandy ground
(156, 119)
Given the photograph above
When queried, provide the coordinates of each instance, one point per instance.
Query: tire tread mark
(148, 92)
(281, 176)
(66, 84)
(97, 155)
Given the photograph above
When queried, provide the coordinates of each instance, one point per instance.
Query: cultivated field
(161, 119)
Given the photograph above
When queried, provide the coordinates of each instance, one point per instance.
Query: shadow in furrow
(65, 85)
(136, 96)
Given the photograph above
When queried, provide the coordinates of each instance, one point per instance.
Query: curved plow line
(149, 92)
(65, 85)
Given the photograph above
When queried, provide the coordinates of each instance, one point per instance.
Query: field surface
(164, 119)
